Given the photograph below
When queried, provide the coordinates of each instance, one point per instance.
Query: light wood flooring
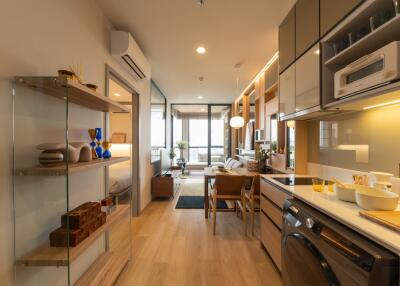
(177, 247)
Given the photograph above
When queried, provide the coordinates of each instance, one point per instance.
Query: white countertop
(344, 212)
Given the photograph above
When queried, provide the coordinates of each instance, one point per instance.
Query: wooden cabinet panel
(272, 106)
(287, 40)
(334, 11)
(273, 212)
(287, 91)
(307, 24)
(276, 195)
(271, 239)
(307, 79)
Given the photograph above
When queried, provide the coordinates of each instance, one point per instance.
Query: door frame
(135, 160)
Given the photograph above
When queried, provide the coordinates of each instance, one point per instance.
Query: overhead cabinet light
(236, 122)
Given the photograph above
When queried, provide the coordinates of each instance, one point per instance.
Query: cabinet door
(307, 79)
(287, 92)
(307, 25)
(334, 11)
(287, 40)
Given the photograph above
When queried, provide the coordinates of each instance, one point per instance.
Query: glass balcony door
(220, 132)
(205, 130)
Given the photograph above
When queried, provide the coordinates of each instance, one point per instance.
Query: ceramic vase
(92, 135)
(107, 152)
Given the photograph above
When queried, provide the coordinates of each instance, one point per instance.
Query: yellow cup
(330, 186)
(318, 185)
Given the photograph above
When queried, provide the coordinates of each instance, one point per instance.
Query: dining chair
(226, 187)
(249, 202)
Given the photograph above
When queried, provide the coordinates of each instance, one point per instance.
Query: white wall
(38, 38)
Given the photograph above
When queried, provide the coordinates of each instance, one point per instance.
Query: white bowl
(381, 177)
(376, 200)
(346, 194)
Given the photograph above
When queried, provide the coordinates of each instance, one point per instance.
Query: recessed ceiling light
(117, 94)
(201, 50)
(316, 52)
(200, 97)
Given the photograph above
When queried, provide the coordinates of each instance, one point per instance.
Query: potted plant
(181, 146)
(172, 155)
(262, 156)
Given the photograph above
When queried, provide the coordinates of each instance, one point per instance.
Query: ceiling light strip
(263, 70)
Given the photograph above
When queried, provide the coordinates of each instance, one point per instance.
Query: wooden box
(81, 215)
(59, 237)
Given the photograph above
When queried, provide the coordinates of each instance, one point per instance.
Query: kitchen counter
(344, 212)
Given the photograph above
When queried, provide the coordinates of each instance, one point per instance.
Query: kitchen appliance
(375, 69)
(293, 181)
(317, 250)
(259, 135)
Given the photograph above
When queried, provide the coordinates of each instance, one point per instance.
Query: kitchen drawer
(273, 212)
(271, 239)
(276, 195)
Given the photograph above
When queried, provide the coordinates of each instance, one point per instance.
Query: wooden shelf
(388, 32)
(272, 89)
(105, 270)
(72, 168)
(46, 255)
(62, 88)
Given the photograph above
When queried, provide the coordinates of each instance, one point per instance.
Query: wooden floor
(176, 247)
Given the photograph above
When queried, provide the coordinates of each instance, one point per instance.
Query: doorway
(123, 130)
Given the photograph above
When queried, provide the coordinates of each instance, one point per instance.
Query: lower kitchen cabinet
(272, 201)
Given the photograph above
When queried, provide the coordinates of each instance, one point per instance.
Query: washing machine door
(303, 264)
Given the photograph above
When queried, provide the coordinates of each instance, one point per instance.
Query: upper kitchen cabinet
(287, 34)
(287, 92)
(334, 11)
(307, 80)
(271, 77)
(307, 24)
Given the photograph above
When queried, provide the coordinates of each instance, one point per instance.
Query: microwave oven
(375, 69)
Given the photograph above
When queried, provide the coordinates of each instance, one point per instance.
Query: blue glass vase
(99, 150)
(107, 152)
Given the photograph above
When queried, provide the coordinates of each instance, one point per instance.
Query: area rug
(196, 202)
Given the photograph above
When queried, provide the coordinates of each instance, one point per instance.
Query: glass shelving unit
(49, 110)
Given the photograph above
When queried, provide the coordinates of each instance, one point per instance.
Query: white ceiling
(233, 31)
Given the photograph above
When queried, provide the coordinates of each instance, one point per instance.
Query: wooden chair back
(229, 185)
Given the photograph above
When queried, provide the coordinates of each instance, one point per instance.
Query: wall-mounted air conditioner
(125, 49)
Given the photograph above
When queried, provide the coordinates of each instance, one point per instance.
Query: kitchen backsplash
(365, 140)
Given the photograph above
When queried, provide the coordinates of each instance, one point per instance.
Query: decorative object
(252, 165)
(91, 86)
(99, 150)
(107, 152)
(118, 138)
(396, 6)
(77, 151)
(92, 135)
(77, 225)
(236, 122)
(182, 147)
(51, 158)
(262, 156)
(69, 74)
(78, 71)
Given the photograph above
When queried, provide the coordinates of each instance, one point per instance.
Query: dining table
(211, 173)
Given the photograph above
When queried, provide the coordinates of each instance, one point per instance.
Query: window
(157, 122)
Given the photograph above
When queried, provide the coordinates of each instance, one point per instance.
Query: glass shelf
(56, 110)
